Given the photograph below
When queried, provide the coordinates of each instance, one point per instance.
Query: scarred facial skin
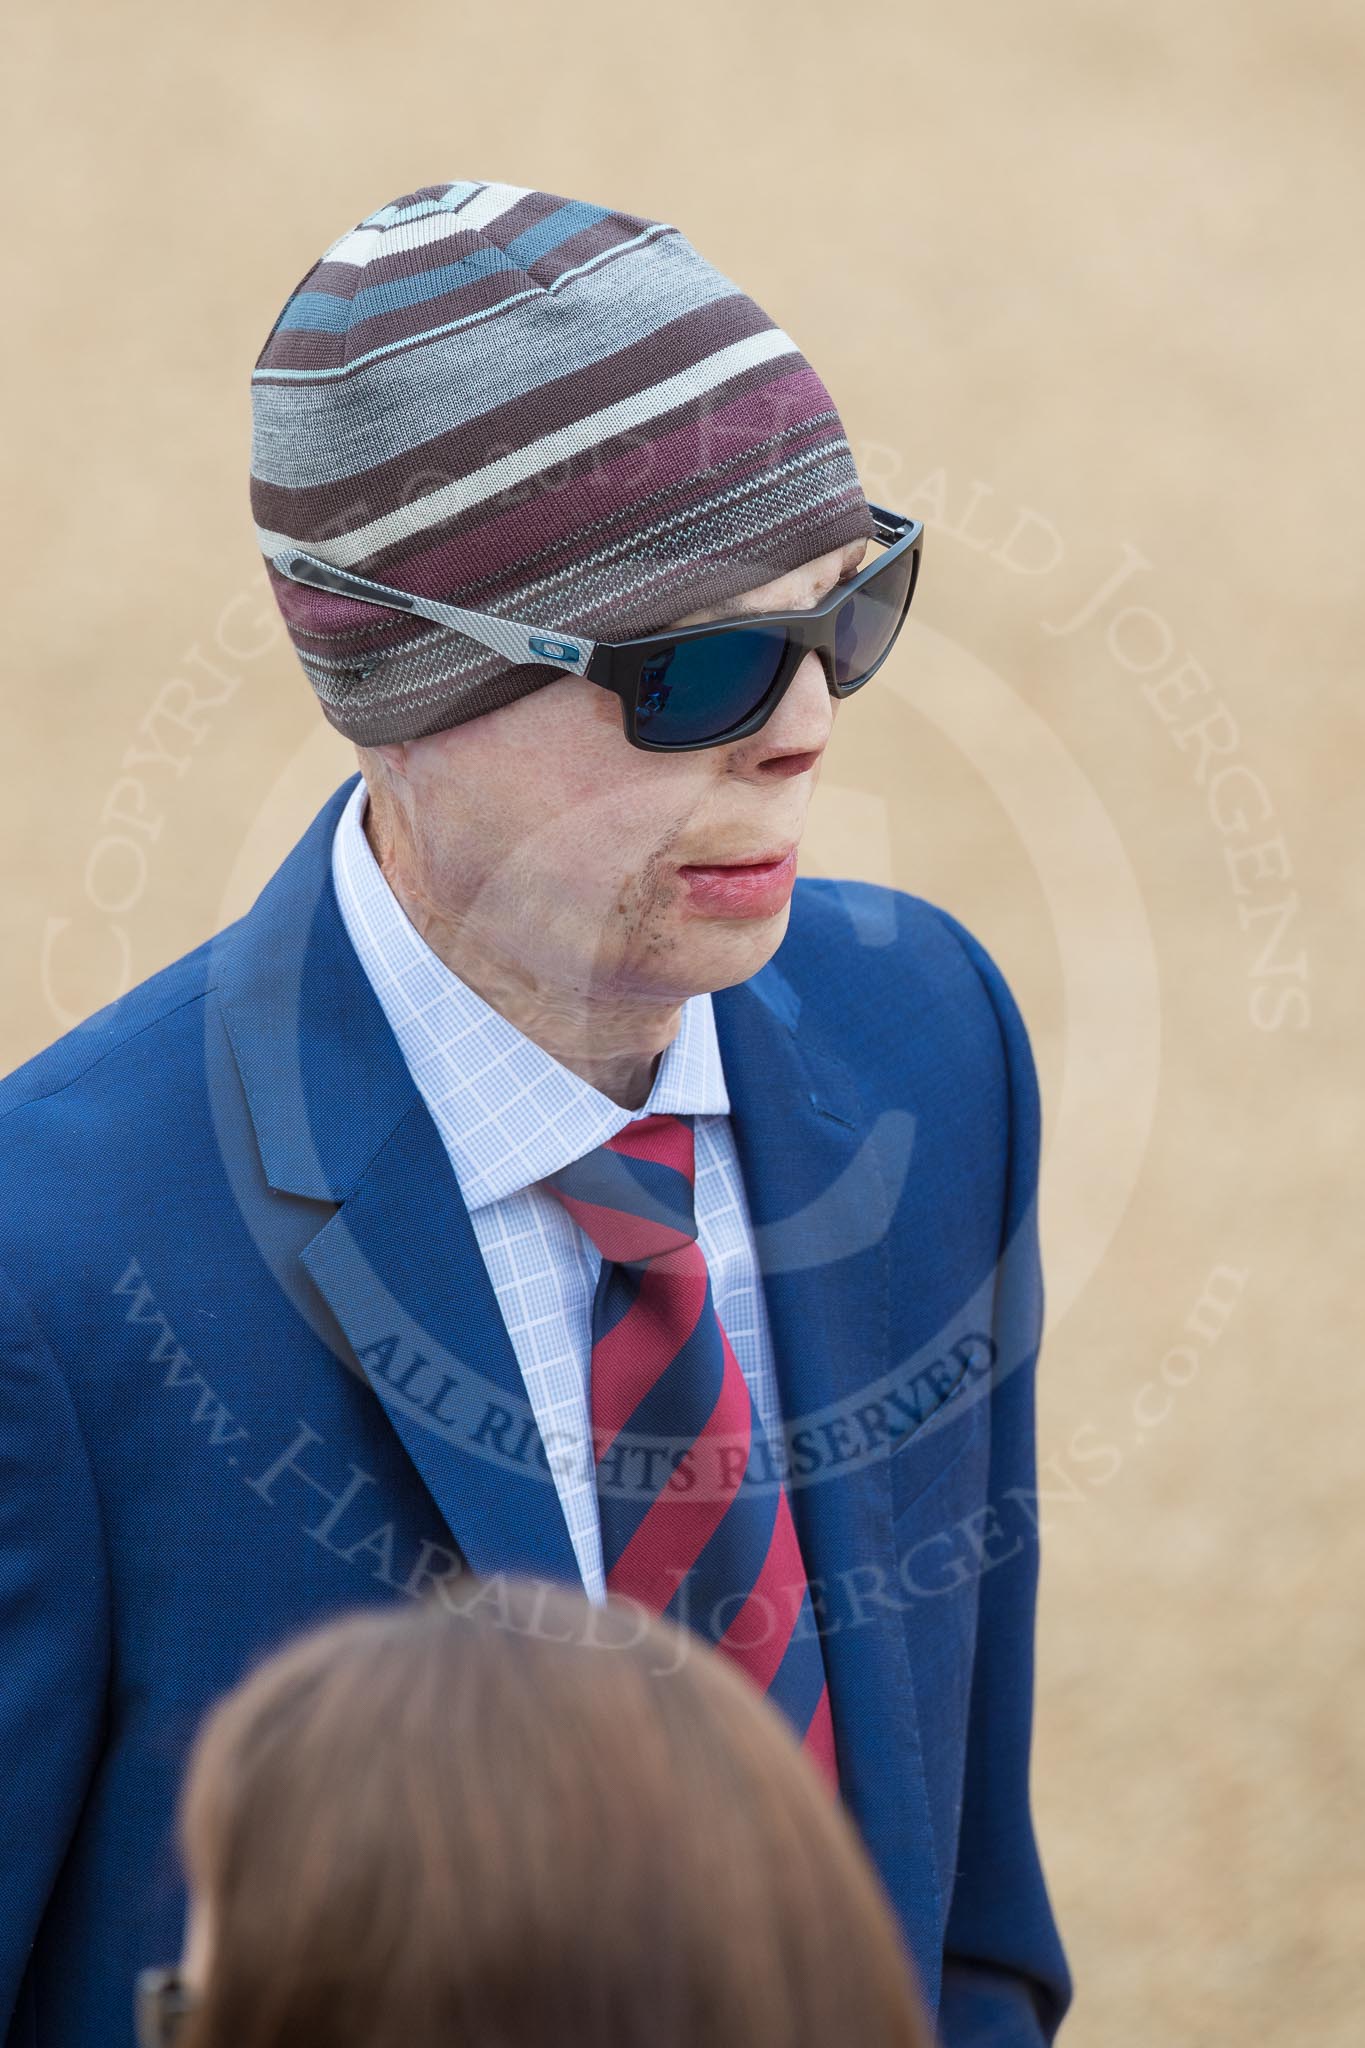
(536, 851)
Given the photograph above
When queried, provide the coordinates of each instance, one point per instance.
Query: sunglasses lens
(869, 621)
(699, 689)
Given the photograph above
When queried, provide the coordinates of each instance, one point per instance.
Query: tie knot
(634, 1196)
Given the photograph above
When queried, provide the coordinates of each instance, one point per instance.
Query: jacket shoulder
(146, 1009)
(893, 935)
(923, 985)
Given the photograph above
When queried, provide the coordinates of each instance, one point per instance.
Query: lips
(739, 888)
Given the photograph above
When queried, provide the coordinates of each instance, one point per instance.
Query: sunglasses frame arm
(518, 641)
(512, 638)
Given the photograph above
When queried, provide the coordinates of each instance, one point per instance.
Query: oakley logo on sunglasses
(554, 650)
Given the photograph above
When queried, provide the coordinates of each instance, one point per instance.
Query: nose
(797, 732)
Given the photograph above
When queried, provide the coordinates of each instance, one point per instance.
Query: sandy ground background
(1083, 280)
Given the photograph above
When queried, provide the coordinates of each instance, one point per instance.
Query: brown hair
(503, 1817)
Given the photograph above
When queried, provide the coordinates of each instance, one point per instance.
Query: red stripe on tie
(629, 1359)
(679, 1523)
(758, 1636)
(819, 1741)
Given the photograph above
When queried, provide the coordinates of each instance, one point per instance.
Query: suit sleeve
(1006, 1981)
(54, 1626)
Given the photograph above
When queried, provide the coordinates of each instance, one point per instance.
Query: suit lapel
(338, 1118)
(404, 1275)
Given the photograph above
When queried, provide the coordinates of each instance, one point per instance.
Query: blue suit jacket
(253, 1372)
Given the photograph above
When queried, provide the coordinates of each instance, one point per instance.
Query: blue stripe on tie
(675, 1411)
(800, 1678)
(729, 1565)
(637, 1187)
(548, 234)
(616, 1181)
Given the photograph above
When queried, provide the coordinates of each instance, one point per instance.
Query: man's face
(538, 838)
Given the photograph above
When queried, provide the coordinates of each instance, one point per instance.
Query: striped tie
(696, 1521)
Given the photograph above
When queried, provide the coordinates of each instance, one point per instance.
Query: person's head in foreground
(507, 1818)
(562, 421)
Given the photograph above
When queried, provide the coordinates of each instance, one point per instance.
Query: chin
(730, 949)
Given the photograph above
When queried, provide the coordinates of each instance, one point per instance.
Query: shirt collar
(507, 1110)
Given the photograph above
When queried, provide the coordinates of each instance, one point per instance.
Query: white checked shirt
(508, 1114)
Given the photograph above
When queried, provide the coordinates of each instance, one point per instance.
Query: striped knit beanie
(534, 407)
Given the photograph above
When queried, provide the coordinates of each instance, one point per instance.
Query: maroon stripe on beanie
(617, 536)
(686, 451)
(519, 421)
(662, 587)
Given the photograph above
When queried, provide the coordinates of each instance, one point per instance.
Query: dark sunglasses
(162, 2004)
(698, 686)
